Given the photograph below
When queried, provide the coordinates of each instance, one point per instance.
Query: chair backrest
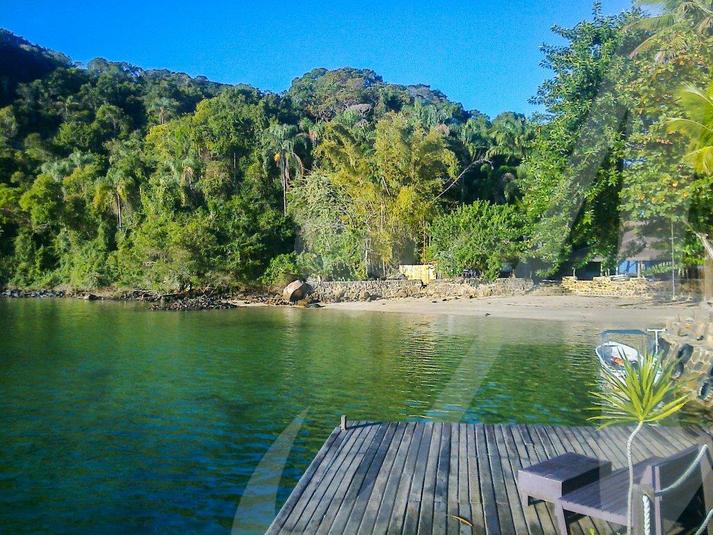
(674, 493)
(668, 471)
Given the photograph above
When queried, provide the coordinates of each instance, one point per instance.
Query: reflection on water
(114, 418)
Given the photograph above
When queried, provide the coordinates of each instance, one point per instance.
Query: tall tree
(282, 141)
(572, 177)
(697, 127)
(674, 22)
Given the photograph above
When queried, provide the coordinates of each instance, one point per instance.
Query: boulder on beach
(295, 291)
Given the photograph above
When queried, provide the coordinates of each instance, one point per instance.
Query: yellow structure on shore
(423, 272)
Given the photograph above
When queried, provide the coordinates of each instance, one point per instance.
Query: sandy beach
(605, 311)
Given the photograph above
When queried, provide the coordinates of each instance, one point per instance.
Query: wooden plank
(425, 517)
(376, 456)
(452, 523)
(407, 480)
(507, 522)
(346, 439)
(537, 432)
(344, 509)
(671, 437)
(464, 506)
(440, 496)
(395, 480)
(413, 509)
(515, 457)
(324, 452)
(601, 442)
(336, 496)
(341, 516)
(377, 496)
(487, 488)
(476, 500)
(676, 438)
(510, 480)
(323, 492)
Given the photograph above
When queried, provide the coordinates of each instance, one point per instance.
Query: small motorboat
(613, 354)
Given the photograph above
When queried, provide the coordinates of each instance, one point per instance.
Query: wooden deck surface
(423, 478)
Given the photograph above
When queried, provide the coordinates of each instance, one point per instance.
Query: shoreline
(625, 312)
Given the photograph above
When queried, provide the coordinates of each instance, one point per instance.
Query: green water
(117, 419)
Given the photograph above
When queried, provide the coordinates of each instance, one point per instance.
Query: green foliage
(572, 176)
(115, 175)
(658, 182)
(333, 238)
(480, 236)
(697, 127)
(283, 269)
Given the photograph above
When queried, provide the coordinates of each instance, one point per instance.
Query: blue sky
(483, 53)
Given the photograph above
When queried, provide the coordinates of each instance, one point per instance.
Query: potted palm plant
(644, 394)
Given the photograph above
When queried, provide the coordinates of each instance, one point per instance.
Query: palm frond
(701, 159)
(687, 127)
(645, 393)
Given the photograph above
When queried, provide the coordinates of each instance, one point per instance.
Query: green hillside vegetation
(111, 175)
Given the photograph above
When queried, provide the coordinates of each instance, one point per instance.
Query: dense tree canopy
(111, 175)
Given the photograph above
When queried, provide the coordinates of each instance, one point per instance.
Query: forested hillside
(111, 175)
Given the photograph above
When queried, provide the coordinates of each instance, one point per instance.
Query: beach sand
(608, 312)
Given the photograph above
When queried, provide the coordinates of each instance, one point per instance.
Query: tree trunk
(283, 178)
(118, 210)
(630, 464)
(707, 245)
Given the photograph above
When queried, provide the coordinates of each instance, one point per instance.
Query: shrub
(480, 236)
(281, 271)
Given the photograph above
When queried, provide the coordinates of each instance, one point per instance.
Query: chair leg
(525, 500)
(707, 506)
(707, 479)
(561, 517)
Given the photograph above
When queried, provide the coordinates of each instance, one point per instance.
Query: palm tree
(511, 136)
(475, 139)
(676, 15)
(282, 140)
(697, 126)
(163, 108)
(119, 185)
(645, 394)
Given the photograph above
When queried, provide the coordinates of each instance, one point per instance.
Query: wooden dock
(438, 478)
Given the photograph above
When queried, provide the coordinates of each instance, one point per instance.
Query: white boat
(613, 353)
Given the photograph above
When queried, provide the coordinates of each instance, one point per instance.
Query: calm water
(114, 418)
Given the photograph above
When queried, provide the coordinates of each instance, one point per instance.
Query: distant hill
(22, 61)
(321, 93)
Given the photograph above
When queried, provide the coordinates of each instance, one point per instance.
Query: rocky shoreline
(36, 294)
(190, 300)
